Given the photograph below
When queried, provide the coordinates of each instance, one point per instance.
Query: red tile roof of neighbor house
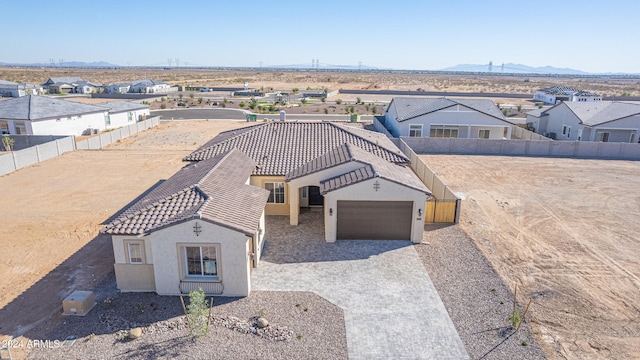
(213, 190)
(279, 147)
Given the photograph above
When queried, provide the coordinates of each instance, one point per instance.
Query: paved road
(391, 308)
(192, 114)
(234, 114)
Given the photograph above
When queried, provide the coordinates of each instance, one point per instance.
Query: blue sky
(593, 36)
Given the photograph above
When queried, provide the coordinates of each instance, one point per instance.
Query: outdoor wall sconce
(419, 212)
(330, 211)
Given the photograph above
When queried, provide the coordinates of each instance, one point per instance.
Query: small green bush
(197, 313)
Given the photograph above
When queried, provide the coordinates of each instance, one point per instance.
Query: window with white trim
(443, 131)
(276, 192)
(135, 252)
(484, 134)
(566, 131)
(21, 129)
(415, 130)
(129, 116)
(201, 261)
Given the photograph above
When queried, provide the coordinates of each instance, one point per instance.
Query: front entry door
(315, 199)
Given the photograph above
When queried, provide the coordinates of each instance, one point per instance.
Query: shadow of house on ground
(84, 270)
(305, 242)
(81, 271)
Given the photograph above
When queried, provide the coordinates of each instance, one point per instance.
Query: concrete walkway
(391, 308)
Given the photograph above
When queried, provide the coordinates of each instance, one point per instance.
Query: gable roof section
(123, 106)
(67, 80)
(372, 166)
(279, 147)
(213, 190)
(409, 108)
(595, 113)
(34, 107)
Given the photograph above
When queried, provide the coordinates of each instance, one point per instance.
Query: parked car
(205, 90)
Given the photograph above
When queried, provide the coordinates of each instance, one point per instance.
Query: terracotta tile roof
(279, 147)
(372, 166)
(213, 190)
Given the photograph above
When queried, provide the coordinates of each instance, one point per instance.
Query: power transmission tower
(177, 62)
(490, 66)
(61, 61)
(170, 61)
(502, 68)
(359, 65)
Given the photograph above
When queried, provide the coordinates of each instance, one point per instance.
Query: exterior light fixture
(419, 212)
(330, 211)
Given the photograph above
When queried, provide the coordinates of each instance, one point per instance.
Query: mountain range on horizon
(507, 68)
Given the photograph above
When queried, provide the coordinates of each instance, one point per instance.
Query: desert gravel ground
(477, 300)
(302, 325)
(566, 231)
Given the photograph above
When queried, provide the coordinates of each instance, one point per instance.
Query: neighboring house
(203, 227)
(144, 86)
(442, 117)
(122, 113)
(556, 94)
(148, 86)
(13, 89)
(121, 88)
(42, 115)
(69, 85)
(604, 121)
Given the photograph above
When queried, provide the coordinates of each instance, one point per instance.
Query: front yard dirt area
(52, 213)
(566, 231)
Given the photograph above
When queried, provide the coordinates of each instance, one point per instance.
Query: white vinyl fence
(15, 160)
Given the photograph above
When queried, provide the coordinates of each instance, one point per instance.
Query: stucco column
(294, 204)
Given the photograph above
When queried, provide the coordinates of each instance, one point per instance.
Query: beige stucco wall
(259, 240)
(388, 191)
(119, 252)
(273, 209)
(135, 277)
(233, 258)
(314, 180)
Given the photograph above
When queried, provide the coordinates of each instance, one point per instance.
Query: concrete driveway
(391, 308)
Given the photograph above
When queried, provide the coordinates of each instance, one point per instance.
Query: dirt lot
(285, 80)
(52, 213)
(566, 231)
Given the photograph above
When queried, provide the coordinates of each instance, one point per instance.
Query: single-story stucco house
(43, 115)
(69, 85)
(359, 180)
(122, 113)
(443, 117)
(203, 227)
(14, 89)
(604, 121)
